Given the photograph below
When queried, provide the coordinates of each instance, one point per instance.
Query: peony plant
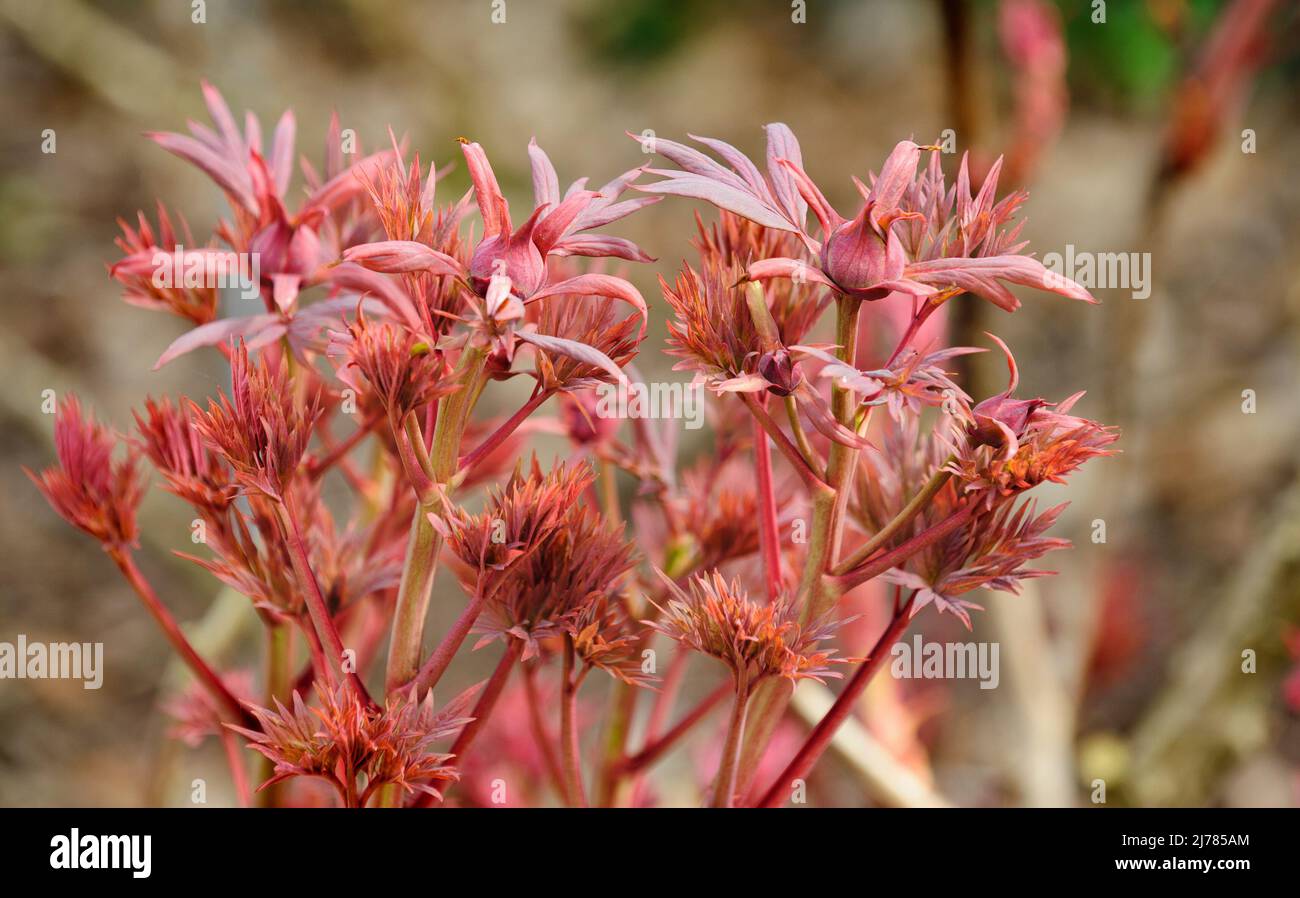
(386, 316)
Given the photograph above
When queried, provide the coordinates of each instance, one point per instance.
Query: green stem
(455, 413)
(766, 708)
(909, 511)
(769, 540)
(877, 565)
(609, 494)
(424, 543)
(810, 478)
(800, 435)
(724, 786)
(278, 658)
(623, 696)
(622, 701)
(843, 459)
(413, 593)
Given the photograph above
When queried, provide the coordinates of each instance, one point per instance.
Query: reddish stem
(502, 433)
(481, 712)
(663, 705)
(821, 735)
(315, 600)
(200, 668)
(881, 537)
(414, 456)
(317, 666)
(543, 738)
(237, 773)
(668, 690)
(370, 629)
(787, 448)
(488, 700)
(654, 750)
(571, 758)
(878, 564)
(339, 451)
(912, 328)
(442, 656)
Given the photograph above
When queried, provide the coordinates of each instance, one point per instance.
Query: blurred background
(1169, 128)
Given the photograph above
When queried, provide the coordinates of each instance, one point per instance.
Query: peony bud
(778, 370)
(858, 257)
(515, 257)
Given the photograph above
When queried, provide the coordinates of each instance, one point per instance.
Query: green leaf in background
(1133, 58)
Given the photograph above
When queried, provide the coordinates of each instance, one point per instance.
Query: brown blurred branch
(1211, 710)
(885, 779)
(93, 48)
